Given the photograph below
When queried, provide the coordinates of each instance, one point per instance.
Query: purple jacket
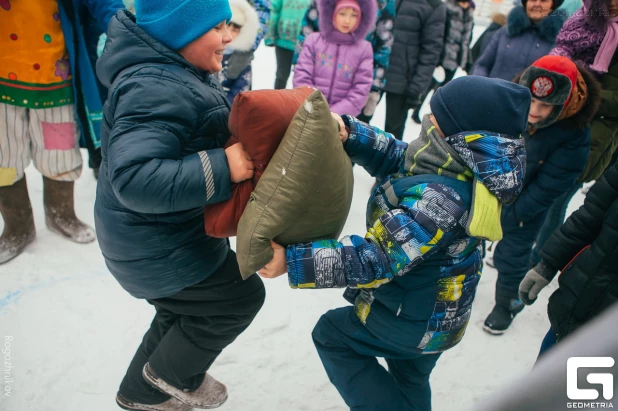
(339, 65)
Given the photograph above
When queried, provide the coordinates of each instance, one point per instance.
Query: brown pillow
(258, 120)
(305, 193)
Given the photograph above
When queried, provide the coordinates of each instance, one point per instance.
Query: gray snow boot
(60, 212)
(170, 405)
(211, 394)
(18, 221)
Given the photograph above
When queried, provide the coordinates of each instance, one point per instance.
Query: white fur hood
(248, 32)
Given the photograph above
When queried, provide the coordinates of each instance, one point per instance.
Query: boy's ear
(433, 120)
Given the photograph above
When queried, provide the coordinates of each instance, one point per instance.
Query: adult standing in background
(419, 38)
(381, 40)
(50, 99)
(286, 18)
(529, 34)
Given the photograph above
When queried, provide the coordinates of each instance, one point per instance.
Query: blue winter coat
(165, 123)
(83, 36)
(517, 45)
(413, 277)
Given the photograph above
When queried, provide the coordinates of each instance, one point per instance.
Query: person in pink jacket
(338, 60)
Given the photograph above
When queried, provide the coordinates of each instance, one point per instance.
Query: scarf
(608, 47)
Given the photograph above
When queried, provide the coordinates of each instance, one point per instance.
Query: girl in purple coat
(338, 60)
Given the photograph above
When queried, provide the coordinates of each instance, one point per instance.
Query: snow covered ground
(69, 330)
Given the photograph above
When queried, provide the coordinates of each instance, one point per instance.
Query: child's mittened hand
(241, 167)
(278, 265)
(343, 133)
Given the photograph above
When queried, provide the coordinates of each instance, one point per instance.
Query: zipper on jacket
(332, 80)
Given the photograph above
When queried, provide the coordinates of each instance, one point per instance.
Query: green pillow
(305, 193)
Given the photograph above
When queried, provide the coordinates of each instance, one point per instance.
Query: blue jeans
(555, 218)
(348, 352)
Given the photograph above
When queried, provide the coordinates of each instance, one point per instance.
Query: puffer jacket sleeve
(376, 151)
(103, 11)
(309, 25)
(303, 71)
(558, 174)
(275, 13)
(486, 62)
(431, 44)
(354, 102)
(398, 241)
(146, 168)
(584, 225)
(262, 8)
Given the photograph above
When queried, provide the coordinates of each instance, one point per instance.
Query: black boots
(60, 211)
(506, 308)
(18, 221)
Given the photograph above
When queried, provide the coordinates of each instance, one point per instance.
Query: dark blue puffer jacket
(163, 128)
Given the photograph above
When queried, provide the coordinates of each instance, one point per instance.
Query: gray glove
(535, 280)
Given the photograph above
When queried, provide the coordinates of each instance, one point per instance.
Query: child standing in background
(338, 60)
(285, 23)
(244, 27)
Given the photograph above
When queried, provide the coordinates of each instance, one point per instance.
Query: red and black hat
(551, 79)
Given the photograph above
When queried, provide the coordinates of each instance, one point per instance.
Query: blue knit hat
(473, 103)
(176, 23)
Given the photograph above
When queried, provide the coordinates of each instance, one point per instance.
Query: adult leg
(396, 114)
(284, 66)
(448, 76)
(555, 218)
(412, 377)
(370, 107)
(348, 352)
(55, 152)
(15, 205)
(432, 86)
(548, 342)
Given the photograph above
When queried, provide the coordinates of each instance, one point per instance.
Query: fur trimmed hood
(326, 9)
(519, 22)
(249, 31)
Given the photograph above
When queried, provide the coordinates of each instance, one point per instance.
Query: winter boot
(60, 211)
(415, 114)
(18, 221)
(211, 394)
(505, 310)
(170, 405)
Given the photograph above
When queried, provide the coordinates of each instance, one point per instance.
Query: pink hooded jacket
(339, 65)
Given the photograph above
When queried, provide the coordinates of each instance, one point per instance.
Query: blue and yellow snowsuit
(413, 277)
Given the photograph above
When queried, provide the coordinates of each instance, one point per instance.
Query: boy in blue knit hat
(412, 278)
(163, 133)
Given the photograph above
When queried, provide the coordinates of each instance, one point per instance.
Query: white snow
(74, 329)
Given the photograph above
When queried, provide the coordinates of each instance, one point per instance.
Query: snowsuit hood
(326, 8)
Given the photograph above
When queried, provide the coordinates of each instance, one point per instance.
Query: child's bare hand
(343, 134)
(278, 265)
(241, 167)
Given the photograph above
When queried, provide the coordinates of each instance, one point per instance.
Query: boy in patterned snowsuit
(413, 277)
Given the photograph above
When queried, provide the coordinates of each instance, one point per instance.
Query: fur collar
(326, 9)
(246, 38)
(519, 22)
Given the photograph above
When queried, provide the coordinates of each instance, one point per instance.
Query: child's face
(206, 52)
(539, 111)
(346, 19)
(234, 30)
(463, 4)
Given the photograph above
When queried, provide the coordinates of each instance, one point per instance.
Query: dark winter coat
(586, 249)
(340, 65)
(381, 38)
(419, 38)
(164, 125)
(515, 47)
(604, 129)
(498, 21)
(457, 35)
(556, 157)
